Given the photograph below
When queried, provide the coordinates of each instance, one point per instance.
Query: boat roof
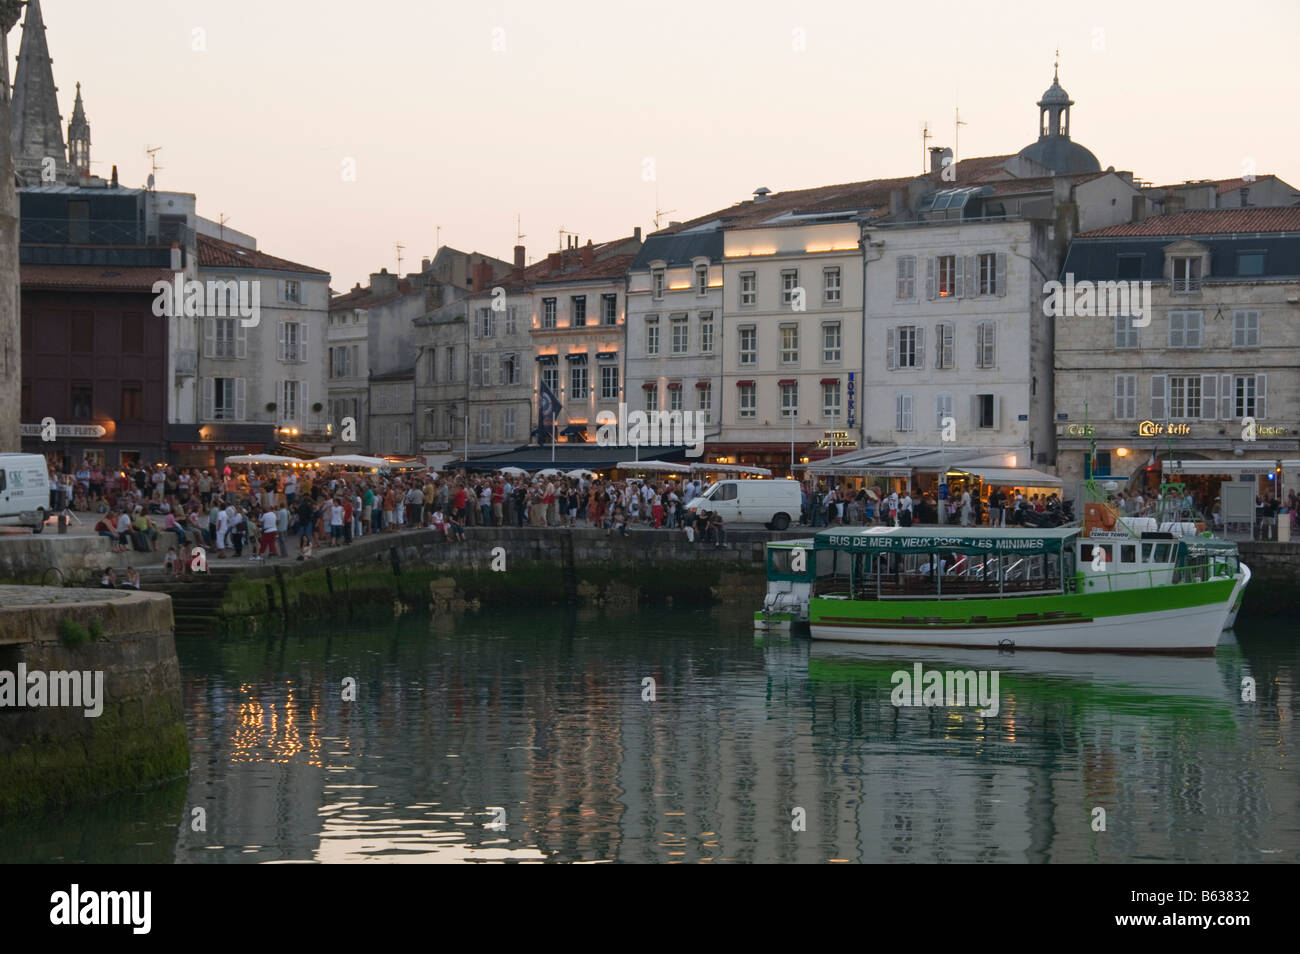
(804, 542)
(921, 539)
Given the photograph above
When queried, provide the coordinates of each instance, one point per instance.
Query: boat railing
(1154, 577)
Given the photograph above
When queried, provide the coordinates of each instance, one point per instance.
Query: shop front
(207, 446)
(103, 445)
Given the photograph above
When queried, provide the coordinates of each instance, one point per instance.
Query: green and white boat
(791, 572)
(1028, 589)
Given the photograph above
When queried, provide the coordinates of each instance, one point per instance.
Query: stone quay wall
(52, 756)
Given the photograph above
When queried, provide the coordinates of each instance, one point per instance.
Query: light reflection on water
(537, 720)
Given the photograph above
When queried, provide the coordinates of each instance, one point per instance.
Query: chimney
(519, 256)
(482, 276)
(761, 194)
(895, 202)
(1139, 209)
(588, 253)
(1175, 202)
(553, 262)
(176, 257)
(636, 234)
(382, 283)
(425, 263)
(1245, 196)
(115, 177)
(937, 155)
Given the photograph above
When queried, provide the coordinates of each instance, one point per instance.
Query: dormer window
(657, 283)
(1186, 273)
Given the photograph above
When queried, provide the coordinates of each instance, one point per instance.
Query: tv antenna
(659, 211)
(399, 247)
(958, 122)
(437, 238)
(154, 168)
(221, 222)
(925, 147)
(561, 232)
(519, 236)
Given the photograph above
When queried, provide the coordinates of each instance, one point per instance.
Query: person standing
(965, 508)
(270, 531)
(905, 509)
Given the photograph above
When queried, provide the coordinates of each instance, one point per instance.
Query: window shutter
(1225, 397)
(239, 399)
(304, 403)
(209, 337)
(241, 340)
(920, 347)
(898, 412)
(938, 345)
(974, 411)
(280, 342)
(302, 341)
(972, 286)
(959, 276)
(929, 277)
(1209, 397)
(991, 344)
(1121, 392)
(997, 412)
(907, 411)
(277, 395)
(891, 335)
(1002, 273)
(1158, 397)
(1261, 394)
(208, 397)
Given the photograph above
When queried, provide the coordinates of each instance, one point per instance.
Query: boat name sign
(922, 544)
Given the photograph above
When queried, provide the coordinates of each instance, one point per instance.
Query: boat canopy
(955, 539)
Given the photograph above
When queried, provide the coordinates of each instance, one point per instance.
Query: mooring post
(284, 596)
(329, 581)
(270, 598)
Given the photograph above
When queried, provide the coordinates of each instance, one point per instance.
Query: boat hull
(1237, 596)
(1176, 619)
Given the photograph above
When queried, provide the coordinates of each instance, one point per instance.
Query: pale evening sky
(558, 126)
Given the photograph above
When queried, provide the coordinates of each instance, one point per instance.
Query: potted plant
(270, 407)
(317, 407)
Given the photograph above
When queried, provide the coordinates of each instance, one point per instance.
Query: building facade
(578, 331)
(1213, 377)
(500, 346)
(673, 355)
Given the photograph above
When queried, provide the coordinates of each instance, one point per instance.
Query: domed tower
(79, 139)
(1054, 147)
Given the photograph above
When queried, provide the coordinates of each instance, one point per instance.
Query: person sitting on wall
(109, 580)
(456, 529)
(715, 529)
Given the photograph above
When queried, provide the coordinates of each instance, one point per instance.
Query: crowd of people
(265, 511)
(833, 506)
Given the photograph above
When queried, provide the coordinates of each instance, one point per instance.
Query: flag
(548, 407)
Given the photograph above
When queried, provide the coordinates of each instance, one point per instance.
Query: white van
(24, 491)
(773, 503)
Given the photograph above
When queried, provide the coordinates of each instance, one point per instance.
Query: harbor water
(680, 736)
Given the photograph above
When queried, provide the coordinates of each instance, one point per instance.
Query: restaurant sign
(66, 430)
(837, 439)
(220, 448)
(1078, 430)
(1156, 429)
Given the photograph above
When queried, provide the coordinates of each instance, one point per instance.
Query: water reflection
(526, 737)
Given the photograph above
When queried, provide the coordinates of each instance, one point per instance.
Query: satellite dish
(151, 180)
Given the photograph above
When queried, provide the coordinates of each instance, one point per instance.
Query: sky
(333, 131)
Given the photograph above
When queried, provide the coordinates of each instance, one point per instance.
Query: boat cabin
(928, 563)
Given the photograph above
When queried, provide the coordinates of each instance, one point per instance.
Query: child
(456, 529)
(173, 563)
(304, 551)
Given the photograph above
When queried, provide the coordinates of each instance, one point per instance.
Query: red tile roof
(1232, 185)
(365, 298)
(215, 253)
(870, 197)
(92, 277)
(1207, 222)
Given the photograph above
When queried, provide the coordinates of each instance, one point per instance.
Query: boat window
(1086, 554)
(1146, 552)
(1162, 552)
(1128, 553)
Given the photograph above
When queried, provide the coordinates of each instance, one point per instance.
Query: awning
(577, 357)
(606, 355)
(649, 386)
(1236, 468)
(674, 385)
(547, 359)
(1012, 476)
(701, 385)
(744, 384)
(787, 383)
(830, 380)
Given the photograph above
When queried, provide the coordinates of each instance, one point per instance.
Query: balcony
(80, 232)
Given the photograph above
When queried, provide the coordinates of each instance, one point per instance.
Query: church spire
(39, 155)
(79, 139)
